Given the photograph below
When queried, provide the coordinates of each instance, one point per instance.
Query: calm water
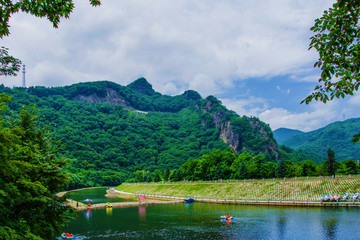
(95, 194)
(202, 221)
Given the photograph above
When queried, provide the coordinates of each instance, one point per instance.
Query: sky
(251, 55)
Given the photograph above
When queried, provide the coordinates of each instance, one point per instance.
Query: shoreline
(111, 193)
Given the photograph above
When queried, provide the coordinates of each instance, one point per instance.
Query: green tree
(350, 167)
(329, 167)
(281, 169)
(157, 175)
(9, 65)
(52, 10)
(30, 174)
(166, 174)
(243, 172)
(337, 39)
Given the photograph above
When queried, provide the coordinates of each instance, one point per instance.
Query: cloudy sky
(252, 55)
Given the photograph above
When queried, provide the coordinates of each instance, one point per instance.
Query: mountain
(337, 135)
(109, 131)
(282, 134)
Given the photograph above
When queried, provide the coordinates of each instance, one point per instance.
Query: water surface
(202, 221)
(97, 195)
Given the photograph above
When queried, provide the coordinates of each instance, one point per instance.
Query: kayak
(224, 217)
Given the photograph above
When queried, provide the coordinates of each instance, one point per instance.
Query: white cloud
(318, 114)
(208, 46)
(171, 42)
(355, 100)
(250, 106)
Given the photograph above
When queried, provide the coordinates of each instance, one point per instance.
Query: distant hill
(110, 130)
(282, 134)
(337, 135)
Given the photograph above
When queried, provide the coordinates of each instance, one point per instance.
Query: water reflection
(281, 224)
(109, 211)
(142, 212)
(87, 213)
(329, 228)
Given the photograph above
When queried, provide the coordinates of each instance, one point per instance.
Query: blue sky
(252, 55)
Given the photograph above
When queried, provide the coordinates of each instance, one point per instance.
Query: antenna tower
(23, 71)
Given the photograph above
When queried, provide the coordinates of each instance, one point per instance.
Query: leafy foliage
(9, 66)
(337, 39)
(30, 175)
(52, 10)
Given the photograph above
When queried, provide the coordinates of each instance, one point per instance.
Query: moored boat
(189, 198)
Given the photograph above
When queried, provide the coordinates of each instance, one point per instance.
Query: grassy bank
(273, 190)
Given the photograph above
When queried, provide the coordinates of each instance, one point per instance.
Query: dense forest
(31, 173)
(226, 164)
(113, 132)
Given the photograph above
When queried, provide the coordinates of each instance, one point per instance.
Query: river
(202, 221)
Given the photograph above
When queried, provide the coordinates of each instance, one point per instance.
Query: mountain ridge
(108, 141)
(282, 134)
(336, 135)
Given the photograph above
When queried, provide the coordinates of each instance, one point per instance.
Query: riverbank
(111, 193)
(304, 192)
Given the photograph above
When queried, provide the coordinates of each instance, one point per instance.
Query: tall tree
(30, 174)
(330, 163)
(281, 169)
(166, 174)
(337, 39)
(52, 10)
(243, 172)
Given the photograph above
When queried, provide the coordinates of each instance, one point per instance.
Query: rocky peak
(142, 86)
(239, 136)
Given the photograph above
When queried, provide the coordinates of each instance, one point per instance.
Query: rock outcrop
(246, 133)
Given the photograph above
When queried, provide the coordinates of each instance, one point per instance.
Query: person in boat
(228, 216)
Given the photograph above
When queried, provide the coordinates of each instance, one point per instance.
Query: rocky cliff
(240, 134)
(111, 97)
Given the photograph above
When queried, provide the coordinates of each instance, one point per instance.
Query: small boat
(337, 198)
(325, 198)
(227, 218)
(345, 197)
(356, 196)
(189, 198)
(67, 236)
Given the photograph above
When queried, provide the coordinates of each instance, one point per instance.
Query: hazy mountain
(337, 135)
(282, 134)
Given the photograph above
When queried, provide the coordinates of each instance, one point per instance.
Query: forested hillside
(282, 134)
(337, 136)
(110, 131)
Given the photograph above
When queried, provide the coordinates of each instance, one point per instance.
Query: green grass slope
(273, 190)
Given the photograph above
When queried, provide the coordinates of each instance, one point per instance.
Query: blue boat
(189, 198)
(356, 196)
(345, 197)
